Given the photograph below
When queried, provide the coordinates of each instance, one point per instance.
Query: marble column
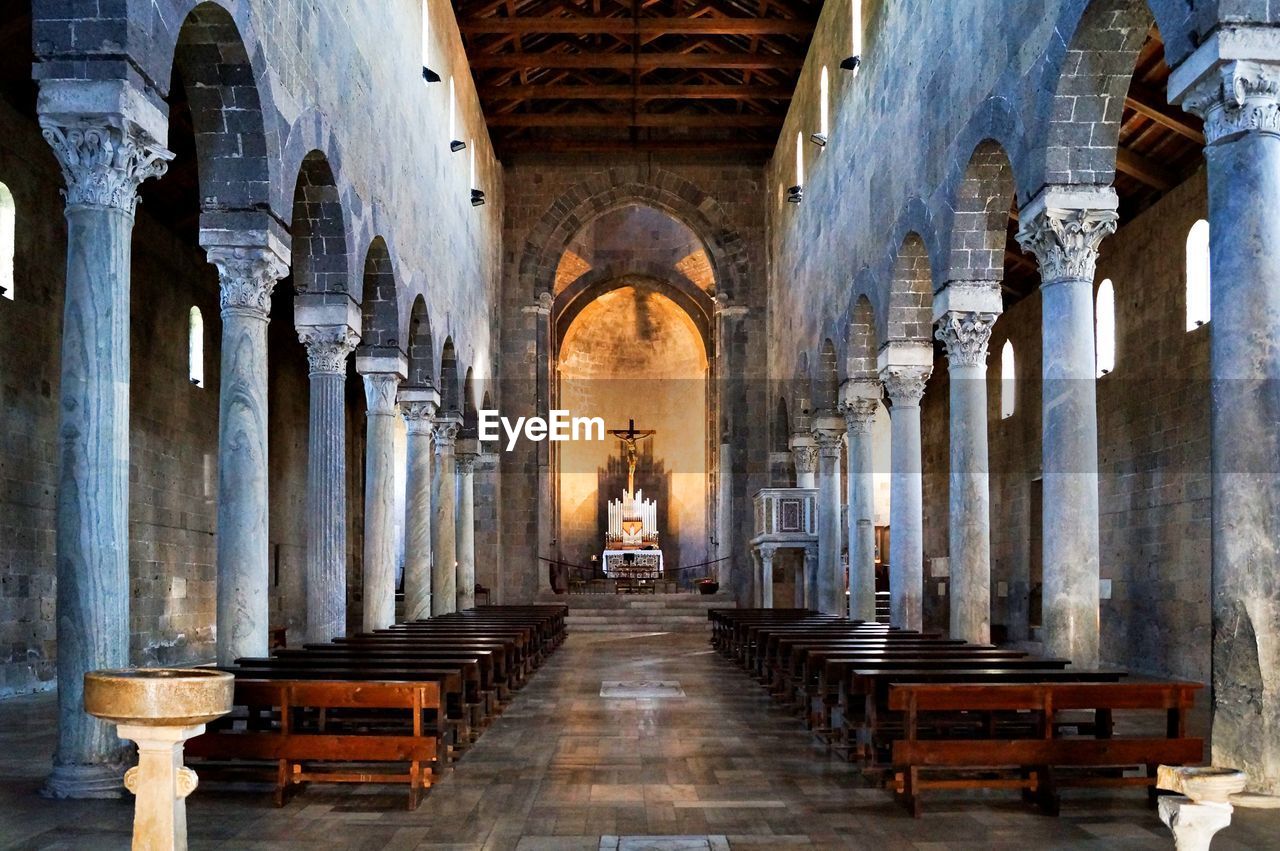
(467, 451)
(444, 542)
(1063, 227)
(248, 275)
(326, 568)
(104, 159)
(1233, 81)
(764, 582)
(904, 375)
(860, 402)
(805, 582)
(828, 432)
(726, 409)
(382, 376)
(539, 314)
(418, 406)
(804, 452)
(965, 312)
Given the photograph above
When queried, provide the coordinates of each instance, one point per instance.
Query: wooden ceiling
(603, 76)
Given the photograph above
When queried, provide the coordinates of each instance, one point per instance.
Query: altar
(631, 531)
(633, 564)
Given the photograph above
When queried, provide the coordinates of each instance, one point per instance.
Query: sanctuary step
(636, 613)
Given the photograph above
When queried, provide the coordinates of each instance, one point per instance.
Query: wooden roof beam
(645, 27)
(645, 92)
(1147, 102)
(1145, 170)
(594, 119)
(644, 62)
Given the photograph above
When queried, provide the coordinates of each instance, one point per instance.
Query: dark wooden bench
(1033, 763)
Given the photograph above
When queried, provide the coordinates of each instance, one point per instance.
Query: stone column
(104, 159)
(765, 554)
(544, 547)
(418, 406)
(804, 451)
(965, 312)
(468, 450)
(805, 589)
(860, 402)
(1063, 227)
(728, 406)
(1233, 81)
(904, 369)
(444, 549)
(248, 275)
(327, 349)
(828, 432)
(382, 376)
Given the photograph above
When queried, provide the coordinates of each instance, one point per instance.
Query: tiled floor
(565, 768)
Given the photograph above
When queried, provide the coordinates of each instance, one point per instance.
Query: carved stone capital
(419, 417)
(541, 305)
(380, 393)
(905, 384)
(828, 434)
(806, 457)
(767, 551)
(247, 275)
(966, 336)
(859, 414)
(446, 433)
(1065, 240)
(465, 464)
(103, 163)
(328, 347)
(1237, 97)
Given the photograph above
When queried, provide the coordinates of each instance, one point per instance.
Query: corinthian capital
(466, 463)
(859, 414)
(905, 383)
(248, 276)
(418, 417)
(1063, 229)
(806, 457)
(103, 162)
(380, 393)
(328, 347)
(966, 334)
(447, 427)
(1237, 97)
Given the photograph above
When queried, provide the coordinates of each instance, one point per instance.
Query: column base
(97, 780)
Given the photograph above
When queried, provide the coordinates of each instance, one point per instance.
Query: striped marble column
(444, 547)
(418, 406)
(468, 450)
(382, 377)
(860, 403)
(326, 566)
(103, 166)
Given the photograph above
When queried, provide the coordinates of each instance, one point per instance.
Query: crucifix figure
(630, 437)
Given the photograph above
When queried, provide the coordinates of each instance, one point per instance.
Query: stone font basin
(1202, 782)
(158, 697)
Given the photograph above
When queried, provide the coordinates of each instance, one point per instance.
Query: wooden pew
(1037, 760)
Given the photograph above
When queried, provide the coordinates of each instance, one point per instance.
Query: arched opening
(8, 233)
(1198, 308)
(195, 346)
(450, 392)
(1008, 381)
(824, 106)
(319, 257)
(1105, 327)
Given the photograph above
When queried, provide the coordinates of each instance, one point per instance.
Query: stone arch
(320, 235)
(422, 368)
(570, 303)
(910, 313)
(450, 392)
(826, 388)
(863, 347)
(380, 309)
(980, 207)
(470, 414)
(801, 405)
(238, 158)
(668, 192)
(781, 425)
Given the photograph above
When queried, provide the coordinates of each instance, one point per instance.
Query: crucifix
(630, 436)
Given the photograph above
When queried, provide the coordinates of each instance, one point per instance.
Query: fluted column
(467, 451)
(326, 569)
(444, 524)
(904, 382)
(418, 407)
(104, 159)
(804, 453)
(828, 432)
(966, 312)
(860, 402)
(1234, 84)
(1063, 227)
(382, 377)
(248, 275)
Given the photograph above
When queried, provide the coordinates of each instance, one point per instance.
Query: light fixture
(429, 75)
(850, 63)
(795, 194)
(477, 197)
(819, 139)
(457, 145)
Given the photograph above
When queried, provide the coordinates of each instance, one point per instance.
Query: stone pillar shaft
(418, 414)
(1063, 228)
(764, 594)
(380, 501)
(444, 525)
(830, 596)
(103, 166)
(327, 350)
(248, 276)
(860, 413)
(905, 386)
(465, 465)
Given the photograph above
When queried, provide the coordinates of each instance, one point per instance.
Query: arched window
(824, 105)
(855, 59)
(1198, 275)
(800, 160)
(1105, 327)
(471, 174)
(195, 347)
(455, 144)
(8, 226)
(427, 74)
(1008, 381)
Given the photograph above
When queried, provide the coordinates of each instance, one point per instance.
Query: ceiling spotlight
(851, 63)
(477, 197)
(457, 145)
(429, 75)
(795, 194)
(819, 139)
